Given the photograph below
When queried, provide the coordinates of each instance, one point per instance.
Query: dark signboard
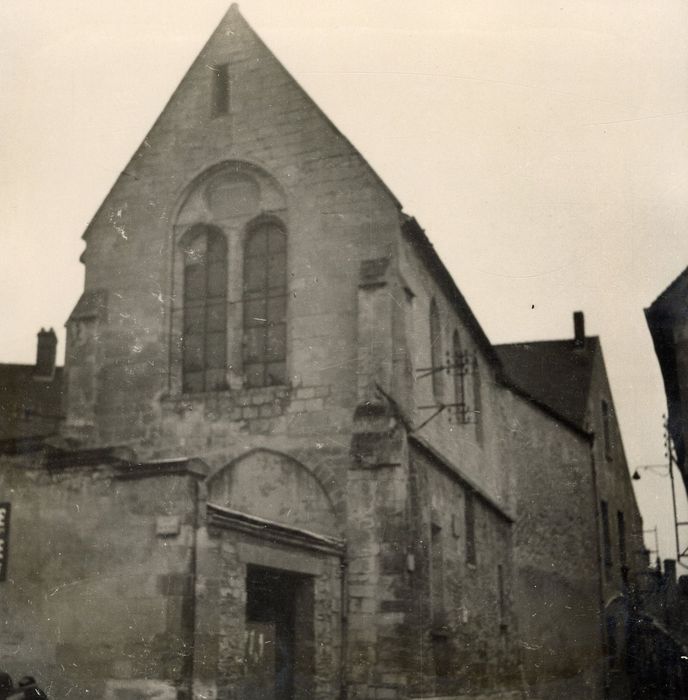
(4, 538)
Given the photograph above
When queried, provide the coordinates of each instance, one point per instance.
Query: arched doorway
(273, 541)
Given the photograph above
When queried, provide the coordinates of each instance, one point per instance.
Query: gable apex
(186, 118)
(234, 12)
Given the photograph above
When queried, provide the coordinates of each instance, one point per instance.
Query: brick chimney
(45, 354)
(578, 329)
(670, 571)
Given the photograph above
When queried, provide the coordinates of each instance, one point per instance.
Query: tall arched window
(265, 304)
(204, 340)
(436, 352)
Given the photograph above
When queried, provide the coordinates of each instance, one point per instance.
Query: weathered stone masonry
(386, 518)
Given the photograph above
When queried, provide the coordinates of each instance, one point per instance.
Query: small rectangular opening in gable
(220, 89)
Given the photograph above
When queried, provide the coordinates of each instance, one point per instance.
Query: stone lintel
(275, 532)
(196, 468)
(124, 462)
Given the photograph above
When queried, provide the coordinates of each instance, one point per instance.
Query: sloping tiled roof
(29, 406)
(556, 373)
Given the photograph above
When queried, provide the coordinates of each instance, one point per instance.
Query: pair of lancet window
(206, 308)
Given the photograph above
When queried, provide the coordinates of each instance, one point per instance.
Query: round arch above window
(228, 316)
(229, 194)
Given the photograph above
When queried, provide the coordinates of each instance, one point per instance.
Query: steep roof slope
(556, 373)
(184, 123)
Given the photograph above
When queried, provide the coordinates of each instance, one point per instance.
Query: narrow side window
(478, 402)
(621, 527)
(606, 429)
(220, 90)
(470, 528)
(437, 576)
(457, 373)
(501, 598)
(436, 353)
(606, 534)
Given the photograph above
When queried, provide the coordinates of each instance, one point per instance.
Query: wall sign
(4, 538)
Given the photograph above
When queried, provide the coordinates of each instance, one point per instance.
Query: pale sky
(542, 145)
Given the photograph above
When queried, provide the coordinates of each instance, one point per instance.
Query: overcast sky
(542, 145)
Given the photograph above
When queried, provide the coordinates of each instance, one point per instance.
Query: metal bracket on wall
(459, 366)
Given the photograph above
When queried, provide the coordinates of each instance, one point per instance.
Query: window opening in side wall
(220, 90)
(621, 527)
(477, 402)
(436, 359)
(204, 338)
(437, 576)
(612, 641)
(501, 598)
(459, 379)
(5, 510)
(606, 534)
(606, 429)
(265, 304)
(469, 514)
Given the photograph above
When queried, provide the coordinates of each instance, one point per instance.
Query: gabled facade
(291, 465)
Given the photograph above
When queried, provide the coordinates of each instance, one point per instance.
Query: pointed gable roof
(673, 301)
(234, 13)
(184, 122)
(556, 373)
(233, 29)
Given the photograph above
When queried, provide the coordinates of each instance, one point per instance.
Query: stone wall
(556, 555)
(220, 667)
(335, 212)
(98, 595)
(354, 463)
(614, 487)
(420, 617)
(462, 625)
(472, 438)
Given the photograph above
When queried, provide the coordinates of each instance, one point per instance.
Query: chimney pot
(670, 570)
(578, 329)
(45, 354)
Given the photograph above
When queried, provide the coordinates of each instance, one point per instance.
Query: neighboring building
(570, 377)
(667, 319)
(659, 642)
(290, 464)
(31, 398)
(666, 599)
